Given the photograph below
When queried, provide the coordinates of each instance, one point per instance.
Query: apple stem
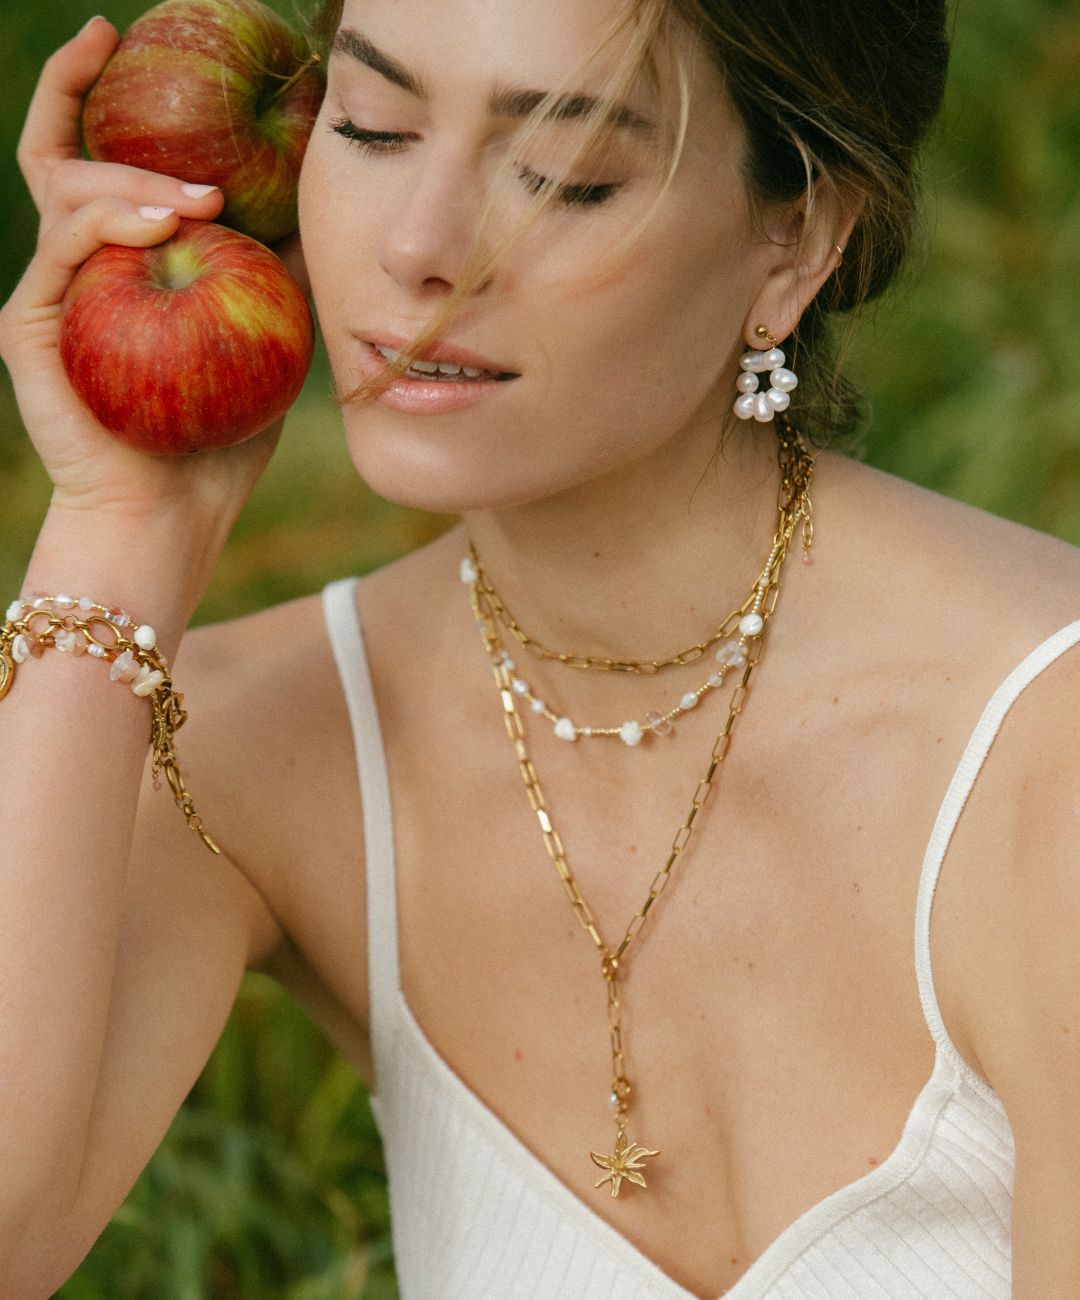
(288, 85)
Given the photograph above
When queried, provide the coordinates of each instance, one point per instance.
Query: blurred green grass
(270, 1182)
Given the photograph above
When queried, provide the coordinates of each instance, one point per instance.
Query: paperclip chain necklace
(797, 466)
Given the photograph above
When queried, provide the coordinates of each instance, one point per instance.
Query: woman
(805, 1105)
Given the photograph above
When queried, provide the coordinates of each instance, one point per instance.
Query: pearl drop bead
(467, 571)
(98, 651)
(64, 603)
(747, 383)
(86, 604)
(565, 729)
(786, 380)
(715, 679)
(14, 611)
(145, 637)
(688, 700)
(518, 686)
(744, 406)
(778, 400)
(20, 649)
(763, 412)
(538, 706)
(751, 624)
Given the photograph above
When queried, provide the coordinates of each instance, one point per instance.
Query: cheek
(644, 349)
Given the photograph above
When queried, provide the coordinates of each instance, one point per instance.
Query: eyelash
(376, 142)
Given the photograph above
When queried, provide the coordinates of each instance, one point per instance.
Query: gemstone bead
(125, 668)
(732, 654)
(86, 604)
(538, 706)
(565, 729)
(14, 611)
(64, 603)
(20, 649)
(147, 682)
(658, 724)
(69, 641)
(468, 571)
(145, 637)
(630, 733)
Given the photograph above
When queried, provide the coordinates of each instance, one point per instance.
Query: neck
(639, 563)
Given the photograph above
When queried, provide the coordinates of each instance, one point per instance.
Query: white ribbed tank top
(475, 1215)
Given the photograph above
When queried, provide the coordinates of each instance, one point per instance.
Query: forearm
(73, 746)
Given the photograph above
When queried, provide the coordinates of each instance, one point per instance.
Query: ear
(801, 247)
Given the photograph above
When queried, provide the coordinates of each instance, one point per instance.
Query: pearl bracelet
(80, 626)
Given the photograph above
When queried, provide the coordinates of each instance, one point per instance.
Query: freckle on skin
(734, 1260)
(836, 699)
(519, 1055)
(872, 1160)
(1065, 1029)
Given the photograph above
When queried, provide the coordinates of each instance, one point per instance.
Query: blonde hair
(836, 97)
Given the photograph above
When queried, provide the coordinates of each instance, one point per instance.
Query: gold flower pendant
(624, 1162)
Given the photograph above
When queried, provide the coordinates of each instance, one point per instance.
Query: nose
(430, 231)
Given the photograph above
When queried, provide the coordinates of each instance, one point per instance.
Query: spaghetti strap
(347, 643)
(956, 796)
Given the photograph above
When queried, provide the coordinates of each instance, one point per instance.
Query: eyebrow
(503, 101)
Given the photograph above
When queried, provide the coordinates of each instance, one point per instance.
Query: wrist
(155, 565)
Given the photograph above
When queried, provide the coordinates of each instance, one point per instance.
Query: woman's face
(609, 370)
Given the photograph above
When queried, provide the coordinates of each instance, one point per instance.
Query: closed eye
(376, 142)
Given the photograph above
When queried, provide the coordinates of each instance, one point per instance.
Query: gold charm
(624, 1162)
(7, 672)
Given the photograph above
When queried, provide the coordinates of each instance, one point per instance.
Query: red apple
(196, 343)
(217, 92)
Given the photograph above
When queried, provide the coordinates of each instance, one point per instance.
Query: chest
(769, 1017)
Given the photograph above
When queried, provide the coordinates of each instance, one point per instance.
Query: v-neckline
(781, 1253)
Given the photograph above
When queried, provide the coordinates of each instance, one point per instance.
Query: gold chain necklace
(794, 464)
(625, 1161)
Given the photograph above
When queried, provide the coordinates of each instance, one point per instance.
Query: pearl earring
(752, 405)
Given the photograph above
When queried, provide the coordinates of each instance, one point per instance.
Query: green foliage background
(270, 1182)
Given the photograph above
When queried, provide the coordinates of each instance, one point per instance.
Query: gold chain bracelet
(83, 627)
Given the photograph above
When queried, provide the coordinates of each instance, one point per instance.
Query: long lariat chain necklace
(625, 1162)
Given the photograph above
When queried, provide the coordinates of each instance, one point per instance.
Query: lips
(441, 351)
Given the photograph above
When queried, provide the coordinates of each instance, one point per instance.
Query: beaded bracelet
(81, 626)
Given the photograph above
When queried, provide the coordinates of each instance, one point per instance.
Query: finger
(74, 183)
(69, 243)
(52, 129)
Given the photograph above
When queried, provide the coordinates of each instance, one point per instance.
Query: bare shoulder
(984, 593)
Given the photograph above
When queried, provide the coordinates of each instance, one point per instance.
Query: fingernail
(156, 214)
(198, 191)
(96, 19)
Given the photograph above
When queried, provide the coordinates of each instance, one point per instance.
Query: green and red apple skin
(193, 344)
(200, 90)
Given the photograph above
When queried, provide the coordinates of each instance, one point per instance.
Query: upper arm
(1027, 995)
